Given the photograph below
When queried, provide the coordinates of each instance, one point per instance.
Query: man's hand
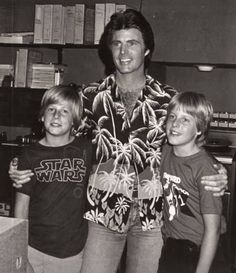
(18, 177)
(217, 183)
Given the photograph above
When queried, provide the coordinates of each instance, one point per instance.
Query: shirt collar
(114, 88)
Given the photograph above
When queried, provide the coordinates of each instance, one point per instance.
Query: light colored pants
(43, 263)
(104, 247)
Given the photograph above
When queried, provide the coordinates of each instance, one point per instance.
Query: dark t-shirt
(57, 196)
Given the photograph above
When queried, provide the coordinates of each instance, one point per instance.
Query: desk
(13, 245)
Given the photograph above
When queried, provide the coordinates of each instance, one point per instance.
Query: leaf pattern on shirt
(125, 148)
(102, 139)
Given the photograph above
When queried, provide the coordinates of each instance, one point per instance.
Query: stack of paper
(47, 75)
(17, 37)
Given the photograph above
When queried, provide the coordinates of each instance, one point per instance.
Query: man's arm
(209, 242)
(217, 183)
(18, 177)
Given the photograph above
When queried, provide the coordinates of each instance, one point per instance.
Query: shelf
(223, 130)
(21, 89)
(54, 46)
(195, 64)
(58, 47)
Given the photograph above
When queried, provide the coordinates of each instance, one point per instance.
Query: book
(69, 24)
(38, 24)
(6, 67)
(17, 34)
(121, 7)
(47, 75)
(23, 70)
(89, 25)
(26, 39)
(43, 76)
(34, 57)
(79, 23)
(110, 8)
(57, 24)
(47, 24)
(99, 22)
(63, 26)
(21, 67)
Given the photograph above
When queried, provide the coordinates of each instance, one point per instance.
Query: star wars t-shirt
(57, 196)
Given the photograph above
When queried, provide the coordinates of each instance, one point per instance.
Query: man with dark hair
(128, 19)
(128, 111)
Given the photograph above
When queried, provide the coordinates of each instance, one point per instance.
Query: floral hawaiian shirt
(127, 153)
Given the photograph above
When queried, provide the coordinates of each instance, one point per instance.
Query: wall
(219, 85)
(193, 31)
(84, 65)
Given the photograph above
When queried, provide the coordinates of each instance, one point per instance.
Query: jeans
(179, 256)
(104, 248)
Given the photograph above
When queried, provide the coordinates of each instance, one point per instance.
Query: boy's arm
(21, 205)
(22, 211)
(209, 242)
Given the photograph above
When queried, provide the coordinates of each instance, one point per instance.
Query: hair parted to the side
(196, 105)
(69, 93)
(127, 19)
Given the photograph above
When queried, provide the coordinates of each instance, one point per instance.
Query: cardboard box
(13, 245)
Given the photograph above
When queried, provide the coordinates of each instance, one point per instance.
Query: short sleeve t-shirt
(185, 197)
(57, 196)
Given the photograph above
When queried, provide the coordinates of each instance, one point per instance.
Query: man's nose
(123, 48)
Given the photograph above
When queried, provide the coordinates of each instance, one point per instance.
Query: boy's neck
(186, 150)
(52, 141)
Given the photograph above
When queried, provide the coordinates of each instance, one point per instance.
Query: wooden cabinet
(193, 31)
(19, 106)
